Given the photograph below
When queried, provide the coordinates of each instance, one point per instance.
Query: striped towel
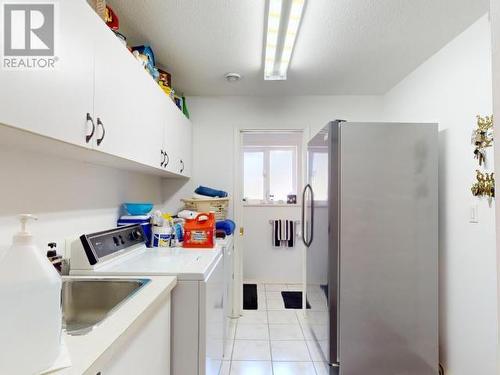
(283, 233)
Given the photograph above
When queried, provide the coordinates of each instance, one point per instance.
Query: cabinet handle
(168, 159)
(182, 168)
(89, 137)
(163, 160)
(99, 123)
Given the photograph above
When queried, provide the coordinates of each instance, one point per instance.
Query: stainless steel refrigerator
(370, 226)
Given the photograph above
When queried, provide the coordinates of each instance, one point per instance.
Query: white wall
(69, 197)
(172, 190)
(451, 88)
(263, 262)
(215, 120)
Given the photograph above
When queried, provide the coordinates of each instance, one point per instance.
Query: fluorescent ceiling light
(283, 22)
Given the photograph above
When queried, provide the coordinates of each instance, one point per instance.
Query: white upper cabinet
(127, 103)
(177, 141)
(100, 98)
(55, 103)
(185, 142)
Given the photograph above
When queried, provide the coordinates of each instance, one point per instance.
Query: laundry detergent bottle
(30, 307)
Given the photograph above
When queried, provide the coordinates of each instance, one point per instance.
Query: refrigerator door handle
(308, 242)
(312, 217)
(303, 221)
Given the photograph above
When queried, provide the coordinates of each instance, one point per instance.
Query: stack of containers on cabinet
(206, 199)
(204, 213)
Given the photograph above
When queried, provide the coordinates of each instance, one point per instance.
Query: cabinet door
(185, 154)
(177, 142)
(170, 135)
(126, 104)
(212, 321)
(172, 141)
(54, 103)
(147, 351)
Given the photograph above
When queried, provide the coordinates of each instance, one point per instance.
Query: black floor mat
(293, 300)
(250, 297)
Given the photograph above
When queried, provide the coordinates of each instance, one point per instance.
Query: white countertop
(89, 351)
(185, 264)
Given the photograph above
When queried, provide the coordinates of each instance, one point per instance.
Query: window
(281, 173)
(271, 165)
(254, 174)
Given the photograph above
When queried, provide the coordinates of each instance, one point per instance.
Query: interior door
(128, 104)
(55, 103)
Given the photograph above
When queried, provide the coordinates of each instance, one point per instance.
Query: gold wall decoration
(484, 185)
(482, 137)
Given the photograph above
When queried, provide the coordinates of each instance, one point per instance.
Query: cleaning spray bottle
(30, 317)
(162, 230)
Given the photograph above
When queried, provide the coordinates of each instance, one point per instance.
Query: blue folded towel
(227, 226)
(209, 192)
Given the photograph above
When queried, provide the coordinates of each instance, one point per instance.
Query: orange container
(200, 231)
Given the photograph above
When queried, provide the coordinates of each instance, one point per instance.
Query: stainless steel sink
(86, 302)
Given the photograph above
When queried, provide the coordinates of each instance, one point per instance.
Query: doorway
(269, 177)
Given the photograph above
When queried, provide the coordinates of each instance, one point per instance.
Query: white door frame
(238, 203)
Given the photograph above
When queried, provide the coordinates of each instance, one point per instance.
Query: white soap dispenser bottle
(30, 313)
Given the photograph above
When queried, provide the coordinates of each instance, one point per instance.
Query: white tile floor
(272, 340)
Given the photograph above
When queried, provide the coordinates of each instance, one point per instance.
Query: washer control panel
(101, 244)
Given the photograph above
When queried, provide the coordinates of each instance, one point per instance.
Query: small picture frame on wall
(291, 199)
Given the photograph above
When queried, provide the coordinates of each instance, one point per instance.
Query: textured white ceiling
(344, 46)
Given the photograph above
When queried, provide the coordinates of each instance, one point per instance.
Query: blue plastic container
(136, 209)
(227, 226)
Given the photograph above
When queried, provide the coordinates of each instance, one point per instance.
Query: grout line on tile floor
(232, 349)
(303, 334)
(269, 335)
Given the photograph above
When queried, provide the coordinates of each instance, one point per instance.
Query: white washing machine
(199, 312)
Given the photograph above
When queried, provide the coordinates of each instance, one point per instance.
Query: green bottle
(184, 107)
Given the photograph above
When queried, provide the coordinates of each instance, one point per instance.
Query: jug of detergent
(200, 231)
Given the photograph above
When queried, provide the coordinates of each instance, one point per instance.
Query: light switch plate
(474, 216)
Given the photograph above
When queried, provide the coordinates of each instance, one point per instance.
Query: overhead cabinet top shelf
(98, 98)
